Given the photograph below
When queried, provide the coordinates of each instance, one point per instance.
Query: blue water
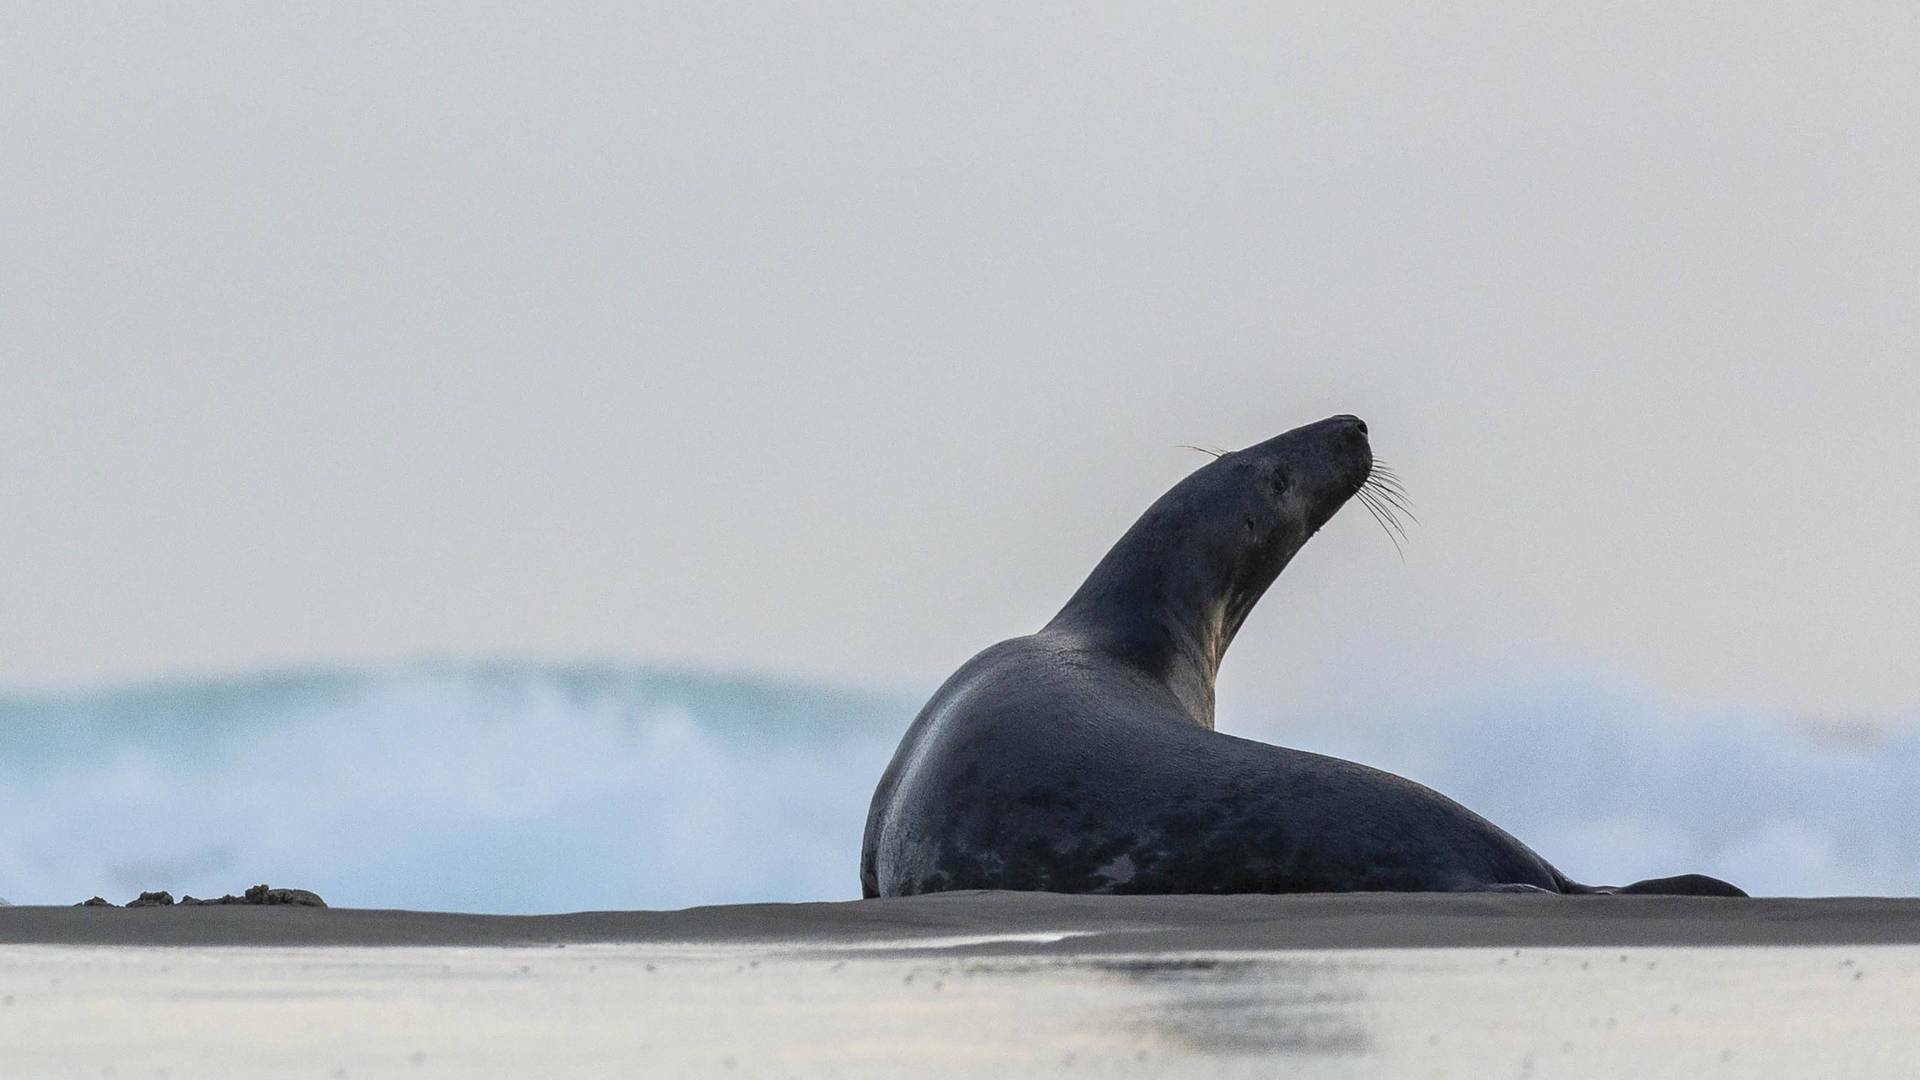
(516, 787)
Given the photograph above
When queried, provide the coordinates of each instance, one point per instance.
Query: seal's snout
(1349, 436)
(1351, 433)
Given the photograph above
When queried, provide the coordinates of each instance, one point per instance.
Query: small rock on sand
(262, 894)
(259, 894)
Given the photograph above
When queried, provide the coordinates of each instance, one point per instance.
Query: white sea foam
(519, 787)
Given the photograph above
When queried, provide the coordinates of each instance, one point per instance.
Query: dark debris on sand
(259, 894)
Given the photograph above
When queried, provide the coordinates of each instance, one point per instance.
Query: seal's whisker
(1371, 508)
(1381, 512)
(1395, 541)
(1399, 510)
(1385, 478)
(1391, 513)
(1393, 520)
(1388, 485)
(1393, 486)
(1214, 454)
(1386, 482)
(1396, 500)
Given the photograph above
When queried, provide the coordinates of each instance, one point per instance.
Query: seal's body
(1083, 758)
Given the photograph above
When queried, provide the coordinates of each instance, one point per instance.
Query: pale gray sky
(843, 340)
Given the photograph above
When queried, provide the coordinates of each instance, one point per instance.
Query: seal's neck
(1167, 603)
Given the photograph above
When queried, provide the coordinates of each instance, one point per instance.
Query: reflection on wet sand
(1246, 1006)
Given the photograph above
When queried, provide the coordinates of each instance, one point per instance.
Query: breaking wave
(519, 787)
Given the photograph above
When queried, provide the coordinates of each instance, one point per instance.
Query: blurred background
(514, 459)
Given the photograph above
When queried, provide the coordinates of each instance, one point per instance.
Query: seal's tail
(1681, 885)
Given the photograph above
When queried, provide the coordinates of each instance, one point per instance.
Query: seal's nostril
(1360, 424)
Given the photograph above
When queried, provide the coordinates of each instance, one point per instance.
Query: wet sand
(975, 984)
(1097, 924)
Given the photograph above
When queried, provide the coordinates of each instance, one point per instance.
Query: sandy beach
(974, 984)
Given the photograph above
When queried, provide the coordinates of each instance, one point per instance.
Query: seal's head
(1248, 512)
(1292, 484)
(1181, 581)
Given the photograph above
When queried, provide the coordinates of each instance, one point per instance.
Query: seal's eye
(1281, 481)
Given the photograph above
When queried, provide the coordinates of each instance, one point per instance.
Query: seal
(1083, 758)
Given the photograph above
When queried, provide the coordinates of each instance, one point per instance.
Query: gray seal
(1083, 758)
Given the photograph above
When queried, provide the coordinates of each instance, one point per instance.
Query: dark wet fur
(1083, 759)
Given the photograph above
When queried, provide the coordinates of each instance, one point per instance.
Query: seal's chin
(1342, 485)
(1325, 508)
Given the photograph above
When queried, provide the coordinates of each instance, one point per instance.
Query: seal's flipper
(1681, 885)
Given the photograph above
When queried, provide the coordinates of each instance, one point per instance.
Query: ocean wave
(512, 787)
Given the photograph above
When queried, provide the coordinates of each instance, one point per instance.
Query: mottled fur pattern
(1083, 759)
